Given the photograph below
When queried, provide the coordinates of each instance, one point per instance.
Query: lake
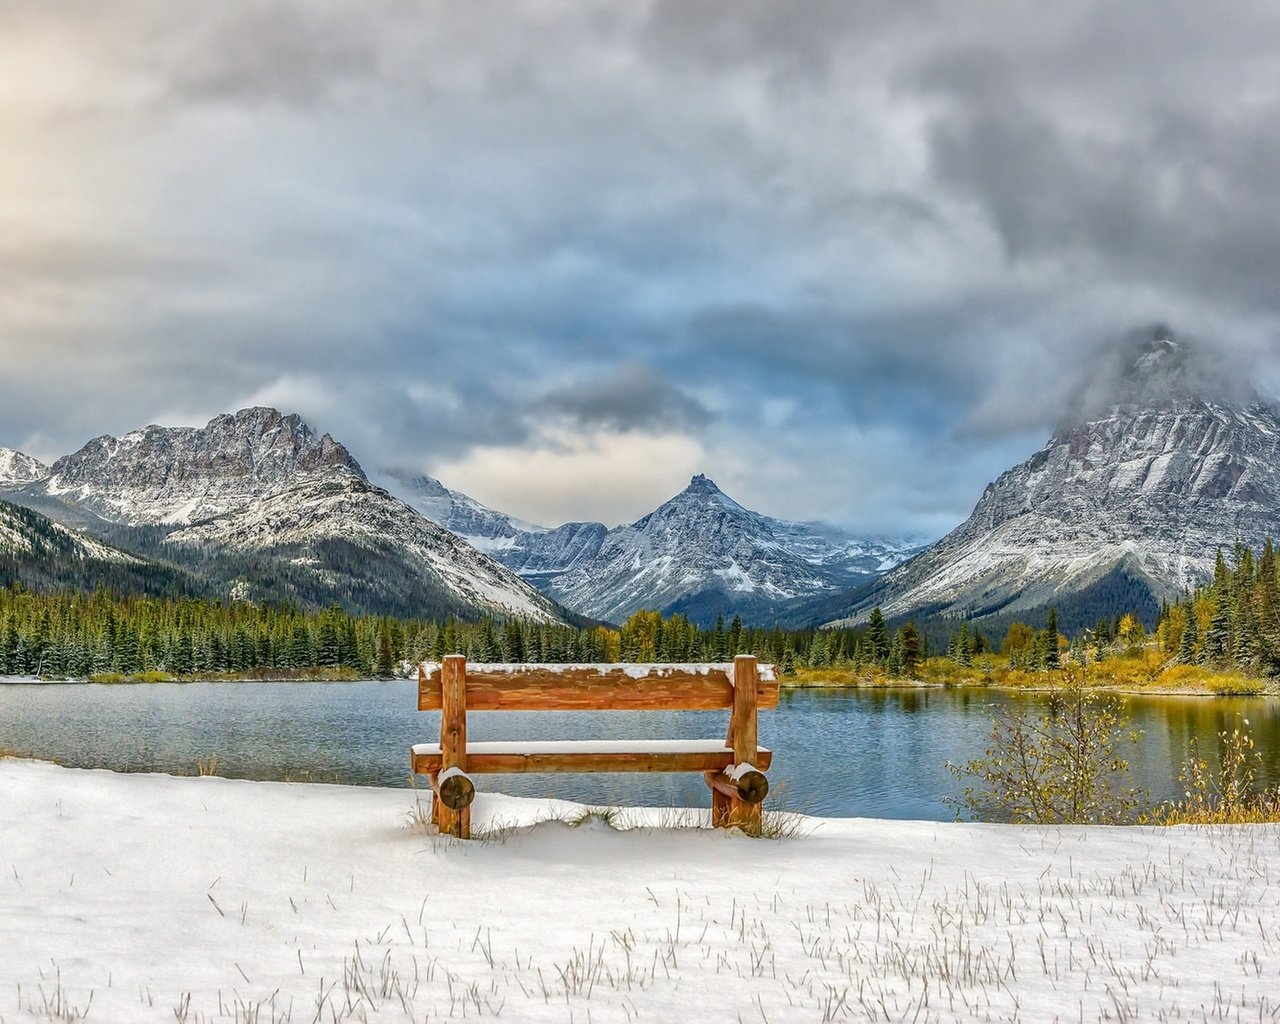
(837, 752)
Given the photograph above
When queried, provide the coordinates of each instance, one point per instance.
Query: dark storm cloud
(633, 397)
(850, 237)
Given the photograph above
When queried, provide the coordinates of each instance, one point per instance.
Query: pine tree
(1217, 638)
(877, 637)
(895, 656)
(1190, 639)
(1051, 656)
(911, 650)
(383, 666)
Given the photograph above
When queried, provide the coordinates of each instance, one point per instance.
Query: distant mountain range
(1127, 504)
(700, 553)
(256, 504)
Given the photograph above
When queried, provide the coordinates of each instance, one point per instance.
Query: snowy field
(152, 898)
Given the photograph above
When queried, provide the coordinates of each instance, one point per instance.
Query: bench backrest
(606, 687)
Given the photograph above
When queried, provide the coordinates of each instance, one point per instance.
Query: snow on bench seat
(588, 755)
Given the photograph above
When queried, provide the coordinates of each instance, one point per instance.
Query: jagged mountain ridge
(535, 552)
(177, 475)
(1172, 465)
(748, 564)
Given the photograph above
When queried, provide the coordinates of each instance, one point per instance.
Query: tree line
(1232, 621)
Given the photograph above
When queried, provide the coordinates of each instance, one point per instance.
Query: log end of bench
(744, 782)
(454, 788)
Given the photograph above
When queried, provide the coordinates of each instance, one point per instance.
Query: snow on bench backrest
(595, 687)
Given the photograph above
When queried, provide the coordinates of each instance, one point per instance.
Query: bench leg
(745, 816)
(455, 823)
(720, 809)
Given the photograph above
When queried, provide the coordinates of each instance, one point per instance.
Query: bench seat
(489, 757)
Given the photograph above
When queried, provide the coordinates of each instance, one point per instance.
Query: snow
(607, 746)
(152, 898)
(638, 670)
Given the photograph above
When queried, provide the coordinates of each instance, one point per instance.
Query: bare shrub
(1062, 766)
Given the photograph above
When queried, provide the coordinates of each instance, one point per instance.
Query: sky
(849, 260)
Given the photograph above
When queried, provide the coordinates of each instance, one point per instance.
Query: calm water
(873, 753)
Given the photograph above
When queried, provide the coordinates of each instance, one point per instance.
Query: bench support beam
(453, 744)
(742, 738)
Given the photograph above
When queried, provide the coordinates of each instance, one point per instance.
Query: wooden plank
(742, 737)
(453, 739)
(540, 688)
(589, 761)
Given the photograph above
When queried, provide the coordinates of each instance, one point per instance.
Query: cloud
(631, 397)
(850, 260)
(610, 478)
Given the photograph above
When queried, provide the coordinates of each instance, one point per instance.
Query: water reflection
(873, 753)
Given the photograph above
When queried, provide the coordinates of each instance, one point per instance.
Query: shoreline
(1264, 689)
(1241, 686)
(910, 684)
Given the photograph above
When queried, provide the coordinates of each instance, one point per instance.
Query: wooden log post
(742, 738)
(454, 821)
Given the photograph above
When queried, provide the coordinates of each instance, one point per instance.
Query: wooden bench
(733, 768)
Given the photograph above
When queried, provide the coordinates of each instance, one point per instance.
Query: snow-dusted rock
(704, 554)
(349, 536)
(177, 475)
(1166, 464)
(18, 470)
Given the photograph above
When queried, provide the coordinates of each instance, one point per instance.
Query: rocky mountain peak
(427, 486)
(182, 474)
(18, 469)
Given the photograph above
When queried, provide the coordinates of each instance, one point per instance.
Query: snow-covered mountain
(176, 475)
(17, 469)
(536, 552)
(481, 527)
(1166, 462)
(703, 554)
(344, 535)
(258, 499)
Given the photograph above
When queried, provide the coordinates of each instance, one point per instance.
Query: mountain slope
(1164, 466)
(345, 538)
(41, 553)
(674, 559)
